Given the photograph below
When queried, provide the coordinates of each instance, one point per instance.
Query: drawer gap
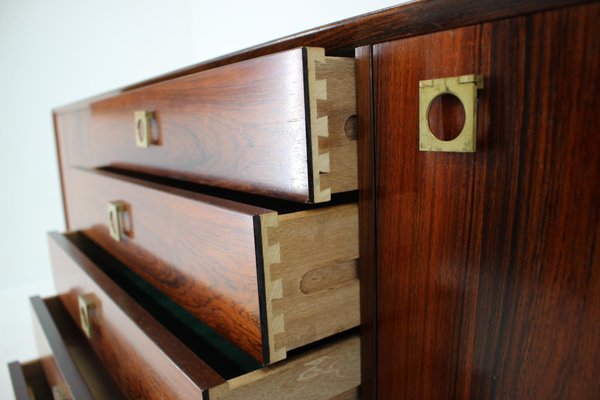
(279, 205)
(223, 356)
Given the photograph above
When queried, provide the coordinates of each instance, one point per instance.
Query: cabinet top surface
(340, 38)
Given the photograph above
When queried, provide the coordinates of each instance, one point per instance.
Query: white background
(56, 52)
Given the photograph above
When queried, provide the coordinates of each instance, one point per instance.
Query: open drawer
(67, 367)
(29, 381)
(270, 281)
(282, 125)
(125, 320)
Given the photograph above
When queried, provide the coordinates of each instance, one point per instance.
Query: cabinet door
(488, 263)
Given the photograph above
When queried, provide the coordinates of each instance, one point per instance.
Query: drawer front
(144, 358)
(267, 282)
(280, 125)
(149, 362)
(201, 255)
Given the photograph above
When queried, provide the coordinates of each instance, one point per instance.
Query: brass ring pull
(87, 306)
(143, 128)
(115, 225)
(465, 89)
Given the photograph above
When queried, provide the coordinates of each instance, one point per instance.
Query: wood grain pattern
(367, 219)
(414, 18)
(149, 362)
(196, 249)
(57, 363)
(488, 263)
(310, 275)
(323, 373)
(63, 370)
(331, 103)
(145, 359)
(221, 260)
(243, 126)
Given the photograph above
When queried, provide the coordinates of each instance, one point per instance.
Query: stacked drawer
(215, 205)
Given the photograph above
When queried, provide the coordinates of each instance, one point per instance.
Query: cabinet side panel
(488, 278)
(366, 210)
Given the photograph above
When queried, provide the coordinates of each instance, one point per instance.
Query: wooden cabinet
(487, 265)
(215, 234)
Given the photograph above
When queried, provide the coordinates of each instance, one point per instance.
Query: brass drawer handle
(465, 89)
(116, 209)
(87, 305)
(143, 128)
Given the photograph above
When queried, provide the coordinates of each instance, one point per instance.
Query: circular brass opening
(446, 117)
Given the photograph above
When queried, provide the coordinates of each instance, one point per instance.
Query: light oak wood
(352, 394)
(332, 98)
(329, 372)
(310, 263)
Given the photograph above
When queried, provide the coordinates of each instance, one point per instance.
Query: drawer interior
(282, 206)
(221, 355)
(324, 369)
(29, 381)
(68, 362)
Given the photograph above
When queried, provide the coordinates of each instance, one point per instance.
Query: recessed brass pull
(465, 89)
(115, 226)
(86, 308)
(143, 128)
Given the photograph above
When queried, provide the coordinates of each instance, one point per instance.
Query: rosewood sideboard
(401, 205)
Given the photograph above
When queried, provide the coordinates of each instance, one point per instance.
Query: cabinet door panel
(488, 262)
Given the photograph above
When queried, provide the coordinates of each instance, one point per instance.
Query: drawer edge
(295, 317)
(58, 347)
(198, 372)
(331, 136)
(324, 372)
(17, 377)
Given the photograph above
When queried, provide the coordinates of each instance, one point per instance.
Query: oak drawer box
(281, 125)
(269, 282)
(148, 361)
